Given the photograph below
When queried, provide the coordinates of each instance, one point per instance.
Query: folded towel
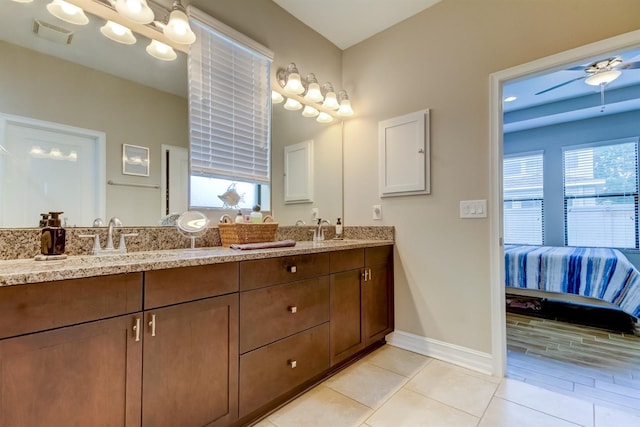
(264, 245)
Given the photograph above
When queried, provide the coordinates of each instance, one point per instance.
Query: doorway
(497, 81)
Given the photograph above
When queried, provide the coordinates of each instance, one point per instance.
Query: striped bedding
(600, 273)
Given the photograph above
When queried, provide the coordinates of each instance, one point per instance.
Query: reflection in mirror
(289, 128)
(192, 224)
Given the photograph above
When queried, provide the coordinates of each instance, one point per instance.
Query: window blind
(601, 195)
(229, 104)
(523, 199)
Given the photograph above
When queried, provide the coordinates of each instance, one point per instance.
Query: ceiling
(348, 22)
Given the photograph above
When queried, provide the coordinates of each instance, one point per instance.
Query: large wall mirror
(131, 98)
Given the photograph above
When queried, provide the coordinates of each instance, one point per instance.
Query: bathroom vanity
(210, 336)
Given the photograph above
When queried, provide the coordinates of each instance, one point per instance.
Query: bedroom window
(523, 199)
(601, 195)
(230, 117)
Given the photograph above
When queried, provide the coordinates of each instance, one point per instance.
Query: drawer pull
(292, 309)
(292, 363)
(292, 269)
(136, 328)
(152, 324)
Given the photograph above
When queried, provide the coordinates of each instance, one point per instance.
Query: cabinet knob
(292, 269)
(292, 309)
(292, 363)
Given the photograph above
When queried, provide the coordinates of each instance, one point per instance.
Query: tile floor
(393, 387)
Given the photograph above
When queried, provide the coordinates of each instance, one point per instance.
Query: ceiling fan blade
(630, 65)
(560, 85)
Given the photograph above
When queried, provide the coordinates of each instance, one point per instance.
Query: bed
(601, 273)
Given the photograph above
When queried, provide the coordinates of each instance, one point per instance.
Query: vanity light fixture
(330, 98)
(324, 118)
(276, 97)
(137, 11)
(314, 94)
(67, 12)
(118, 33)
(345, 105)
(292, 104)
(178, 28)
(309, 111)
(290, 81)
(318, 101)
(161, 51)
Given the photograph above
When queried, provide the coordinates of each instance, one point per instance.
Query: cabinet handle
(370, 274)
(293, 363)
(152, 323)
(136, 328)
(366, 275)
(292, 269)
(292, 309)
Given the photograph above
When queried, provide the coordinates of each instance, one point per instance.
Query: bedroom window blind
(523, 199)
(229, 104)
(601, 194)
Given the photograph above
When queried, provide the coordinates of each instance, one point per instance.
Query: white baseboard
(451, 353)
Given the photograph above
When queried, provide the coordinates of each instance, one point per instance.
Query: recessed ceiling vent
(52, 32)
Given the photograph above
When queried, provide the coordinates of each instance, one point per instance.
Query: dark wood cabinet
(190, 364)
(85, 375)
(361, 300)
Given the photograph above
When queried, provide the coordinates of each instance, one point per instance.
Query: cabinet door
(86, 375)
(378, 303)
(347, 337)
(190, 364)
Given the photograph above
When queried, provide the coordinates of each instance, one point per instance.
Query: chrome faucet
(113, 222)
(318, 234)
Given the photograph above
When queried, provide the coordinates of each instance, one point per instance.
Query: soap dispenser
(53, 236)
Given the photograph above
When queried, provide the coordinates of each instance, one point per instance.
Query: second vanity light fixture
(318, 101)
(175, 27)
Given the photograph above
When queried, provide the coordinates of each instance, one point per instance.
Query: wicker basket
(239, 233)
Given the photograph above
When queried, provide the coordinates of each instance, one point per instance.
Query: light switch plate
(473, 209)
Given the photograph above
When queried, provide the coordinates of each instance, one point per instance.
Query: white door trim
(497, 80)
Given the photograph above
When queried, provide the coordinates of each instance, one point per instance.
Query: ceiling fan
(598, 73)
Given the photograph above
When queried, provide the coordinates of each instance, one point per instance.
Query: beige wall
(441, 59)
(46, 88)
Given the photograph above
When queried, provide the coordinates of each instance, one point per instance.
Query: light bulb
(161, 51)
(324, 118)
(330, 101)
(137, 11)
(292, 104)
(345, 108)
(313, 93)
(294, 84)
(276, 97)
(178, 29)
(67, 12)
(117, 33)
(309, 111)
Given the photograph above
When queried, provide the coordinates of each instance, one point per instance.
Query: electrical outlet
(377, 212)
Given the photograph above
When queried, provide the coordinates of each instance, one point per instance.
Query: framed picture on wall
(135, 160)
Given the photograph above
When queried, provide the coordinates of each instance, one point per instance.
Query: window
(523, 199)
(601, 195)
(230, 115)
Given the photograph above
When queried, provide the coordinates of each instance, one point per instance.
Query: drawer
(269, 314)
(378, 255)
(40, 306)
(176, 285)
(274, 271)
(273, 370)
(349, 259)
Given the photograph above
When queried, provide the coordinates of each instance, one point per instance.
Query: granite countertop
(23, 271)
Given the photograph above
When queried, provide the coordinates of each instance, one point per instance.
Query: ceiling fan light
(117, 33)
(67, 12)
(161, 51)
(137, 11)
(292, 105)
(603, 77)
(178, 28)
